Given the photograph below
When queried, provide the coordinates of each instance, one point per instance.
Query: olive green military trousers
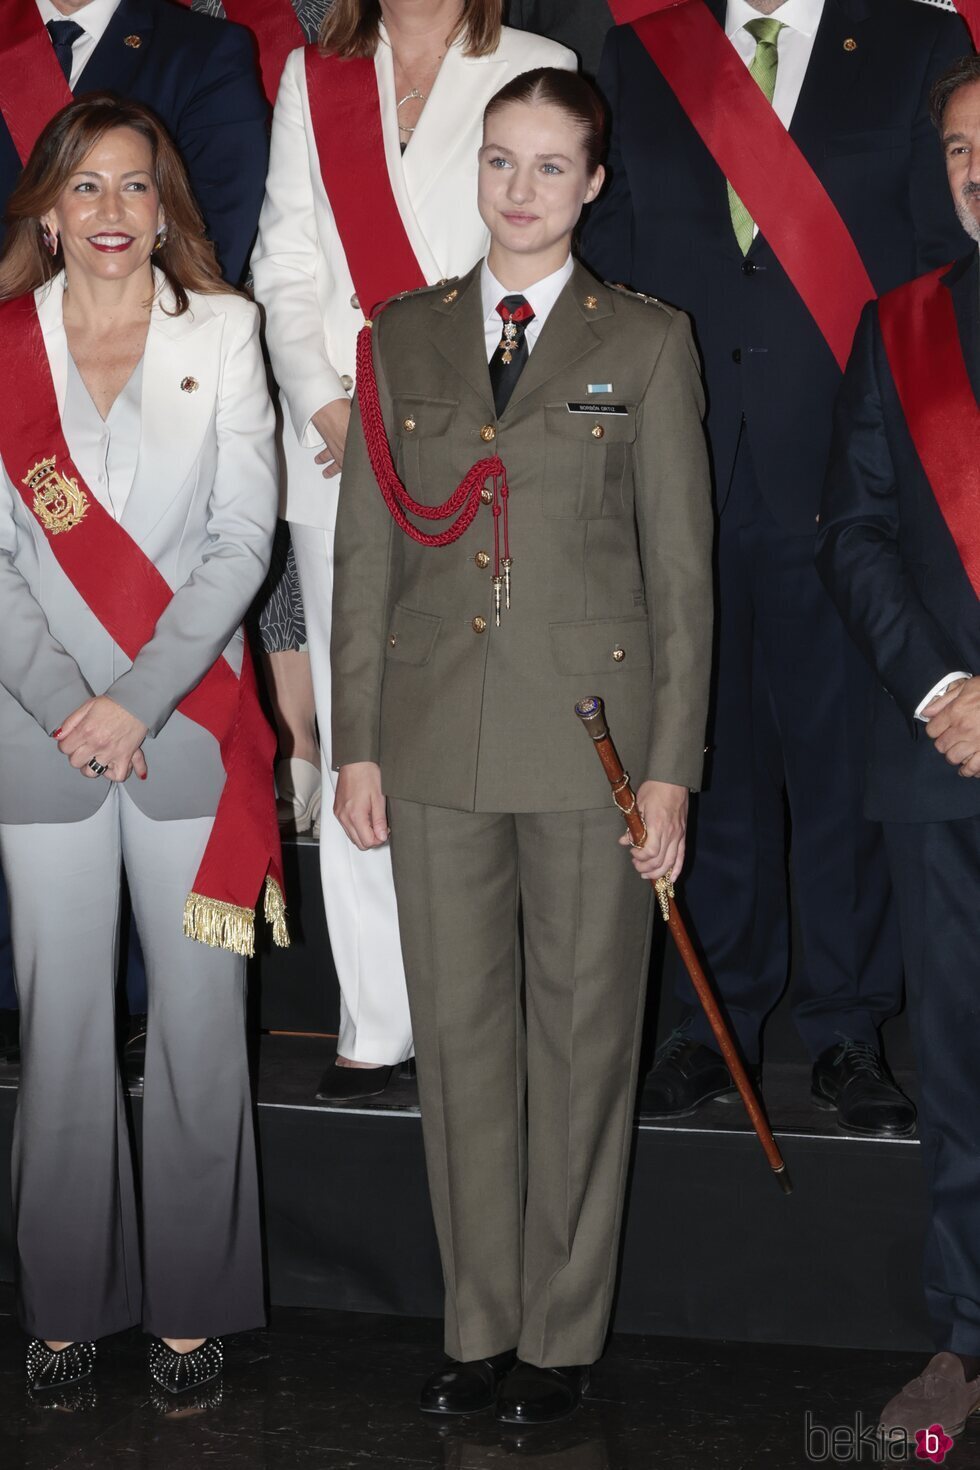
(526, 1080)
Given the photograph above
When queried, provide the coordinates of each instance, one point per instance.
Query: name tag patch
(620, 409)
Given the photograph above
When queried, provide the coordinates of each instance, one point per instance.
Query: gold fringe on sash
(229, 926)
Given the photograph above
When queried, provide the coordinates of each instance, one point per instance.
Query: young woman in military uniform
(575, 560)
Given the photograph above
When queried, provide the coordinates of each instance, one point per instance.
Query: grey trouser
(526, 1108)
(73, 1191)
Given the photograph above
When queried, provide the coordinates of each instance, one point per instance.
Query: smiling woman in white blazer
(437, 63)
(162, 397)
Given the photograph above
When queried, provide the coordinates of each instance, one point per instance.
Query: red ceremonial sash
(127, 594)
(925, 354)
(276, 30)
(32, 84)
(970, 11)
(759, 158)
(346, 114)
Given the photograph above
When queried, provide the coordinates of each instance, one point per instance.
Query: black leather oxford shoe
(465, 1388)
(852, 1079)
(532, 1395)
(685, 1075)
(350, 1084)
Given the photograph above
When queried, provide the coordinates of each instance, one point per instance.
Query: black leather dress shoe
(532, 1395)
(685, 1075)
(852, 1078)
(9, 1037)
(349, 1084)
(465, 1388)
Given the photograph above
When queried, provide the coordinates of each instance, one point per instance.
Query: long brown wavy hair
(350, 27)
(186, 257)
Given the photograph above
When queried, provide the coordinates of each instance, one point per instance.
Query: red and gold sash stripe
(346, 113)
(925, 354)
(32, 85)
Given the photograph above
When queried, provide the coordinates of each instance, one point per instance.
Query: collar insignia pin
(450, 297)
(850, 44)
(189, 385)
(591, 303)
(133, 42)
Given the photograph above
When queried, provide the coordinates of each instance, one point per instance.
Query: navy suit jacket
(200, 77)
(664, 225)
(890, 563)
(581, 25)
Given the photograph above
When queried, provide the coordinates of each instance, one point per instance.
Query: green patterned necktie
(763, 68)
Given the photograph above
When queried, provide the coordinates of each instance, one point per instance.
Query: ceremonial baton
(592, 713)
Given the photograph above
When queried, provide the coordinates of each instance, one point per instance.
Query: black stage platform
(712, 1249)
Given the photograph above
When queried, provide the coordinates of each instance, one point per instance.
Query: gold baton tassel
(591, 712)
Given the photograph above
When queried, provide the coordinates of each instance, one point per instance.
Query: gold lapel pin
(850, 44)
(591, 303)
(450, 297)
(133, 42)
(189, 385)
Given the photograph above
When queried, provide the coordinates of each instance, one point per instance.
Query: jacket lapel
(180, 352)
(460, 338)
(567, 335)
(116, 59)
(963, 282)
(438, 137)
(834, 69)
(384, 70)
(50, 302)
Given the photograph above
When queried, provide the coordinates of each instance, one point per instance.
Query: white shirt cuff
(936, 691)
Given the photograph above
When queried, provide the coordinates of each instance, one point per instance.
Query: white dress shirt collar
(799, 15)
(541, 297)
(94, 19)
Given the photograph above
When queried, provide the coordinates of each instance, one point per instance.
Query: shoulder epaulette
(422, 290)
(638, 296)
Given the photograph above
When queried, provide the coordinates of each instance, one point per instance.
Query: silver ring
(97, 766)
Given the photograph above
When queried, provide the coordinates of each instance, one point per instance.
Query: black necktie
(64, 34)
(508, 361)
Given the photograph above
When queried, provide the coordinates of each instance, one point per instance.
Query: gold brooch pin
(59, 502)
(850, 44)
(189, 385)
(591, 303)
(133, 42)
(450, 297)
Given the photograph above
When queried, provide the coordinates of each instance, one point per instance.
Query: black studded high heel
(177, 1372)
(49, 1369)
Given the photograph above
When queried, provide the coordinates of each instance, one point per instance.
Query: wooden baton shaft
(591, 712)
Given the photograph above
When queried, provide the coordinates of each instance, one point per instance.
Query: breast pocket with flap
(589, 462)
(426, 446)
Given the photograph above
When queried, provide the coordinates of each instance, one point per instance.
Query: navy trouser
(936, 871)
(787, 730)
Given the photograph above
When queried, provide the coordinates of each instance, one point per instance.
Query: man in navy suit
(200, 76)
(899, 550)
(850, 79)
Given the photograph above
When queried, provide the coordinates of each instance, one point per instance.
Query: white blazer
(202, 507)
(299, 269)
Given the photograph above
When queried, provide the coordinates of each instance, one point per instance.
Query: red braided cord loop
(465, 499)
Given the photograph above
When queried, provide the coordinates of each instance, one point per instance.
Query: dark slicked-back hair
(962, 73)
(578, 98)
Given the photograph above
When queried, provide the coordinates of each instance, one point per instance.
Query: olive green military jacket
(611, 533)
